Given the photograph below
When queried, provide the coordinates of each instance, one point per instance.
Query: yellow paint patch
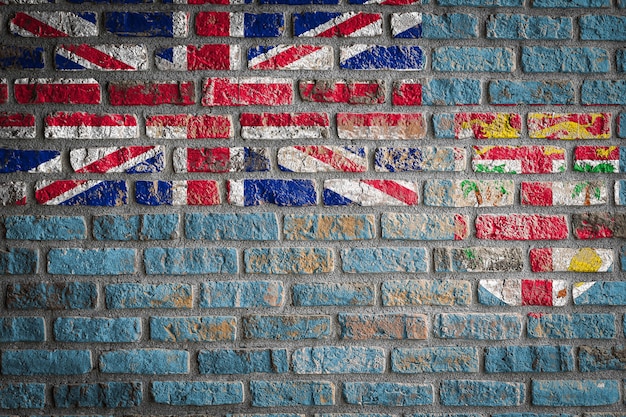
(605, 152)
(586, 260)
(499, 128)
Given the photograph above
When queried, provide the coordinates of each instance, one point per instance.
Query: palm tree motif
(589, 187)
(467, 186)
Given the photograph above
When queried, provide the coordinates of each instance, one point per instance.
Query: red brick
(521, 227)
(142, 93)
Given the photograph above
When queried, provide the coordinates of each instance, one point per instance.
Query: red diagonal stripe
(36, 27)
(98, 57)
(395, 190)
(350, 26)
(115, 159)
(55, 189)
(287, 57)
(327, 156)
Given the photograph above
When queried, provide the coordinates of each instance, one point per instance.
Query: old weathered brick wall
(313, 207)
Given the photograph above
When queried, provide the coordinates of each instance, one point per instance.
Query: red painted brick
(59, 91)
(247, 91)
(521, 227)
(343, 91)
(143, 93)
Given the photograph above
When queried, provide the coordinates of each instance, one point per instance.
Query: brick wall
(300, 207)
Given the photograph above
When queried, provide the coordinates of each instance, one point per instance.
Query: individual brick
(571, 326)
(97, 329)
(127, 159)
(342, 91)
(78, 125)
(46, 362)
(221, 160)
(600, 159)
(436, 92)
(130, 295)
(240, 25)
(328, 227)
(149, 24)
(22, 329)
(469, 193)
(611, 293)
(177, 193)
(592, 358)
(13, 193)
(518, 159)
(407, 226)
(338, 360)
(381, 126)
(145, 361)
(478, 259)
(291, 57)
(298, 2)
(473, 59)
(620, 58)
(570, 259)
(570, 393)
(477, 125)
(383, 326)
(315, 158)
(31, 161)
(112, 57)
(529, 359)
(137, 227)
(476, 326)
(247, 91)
(105, 394)
(54, 24)
(243, 361)
(146, 93)
(198, 58)
(57, 91)
(522, 292)
(333, 294)
(518, 26)
(599, 225)
(482, 393)
(603, 92)
(17, 125)
(384, 260)
(81, 193)
(378, 57)
(425, 158)
(429, 26)
(197, 393)
(22, 395)
(418, 292)
(571, 4)
(75, 261)
(254, 192)
(508, 93)
(601, 27)
(337, 25)
(188, 126)
(292, 393)
(563, 193)
(22, 57)
(521, 227)
(390, 394)
(231, 226)
(185, 261)
(482, 3)
(284, 125)
(437, 359)
(52, 295)
(370, 193)
(569, 125)
(45, 228)
(565, 60)
(4, 90)
(387, 2)
(286, 327)
(193, 329)
(288, 260)
(242, 294)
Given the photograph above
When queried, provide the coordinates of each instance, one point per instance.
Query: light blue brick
(199, 393)
(104, 394)
(266, 415)
(416, 292)
(596, 92)
(97, 329)
(18, 261)
(391, 394)
(22, 329)
(518, 26)
(408, 226)
(45, 228)
(139, 227)
(529, 359)
(621, 4)
(482, 3)
(482, 393)
(286, 327)
(478, 326)
(193, 329)
(338, 360)
(575, 393)
(230, 226)
(571, 326)
(451, 92)
(565, 59)
(46, 362)
(601, 358)
(288, 260)
(354, 415)
(19, 395)
(74, 261)
(292, 393)
(130, 295)
(434, 359)
(620, 58)
(598, 27)
(384, 260)
(571, 3)
(532, 415)
(245, 361)
(445, 415)
(621, 126)
(242, 294)
(184, 261)
(473, 59)
(382, 326)
(333, 294)
(604, 293)
(622, 257)
(145, 361)
(449, 26)
(328, 226)
(52, 295)
(505, 92)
